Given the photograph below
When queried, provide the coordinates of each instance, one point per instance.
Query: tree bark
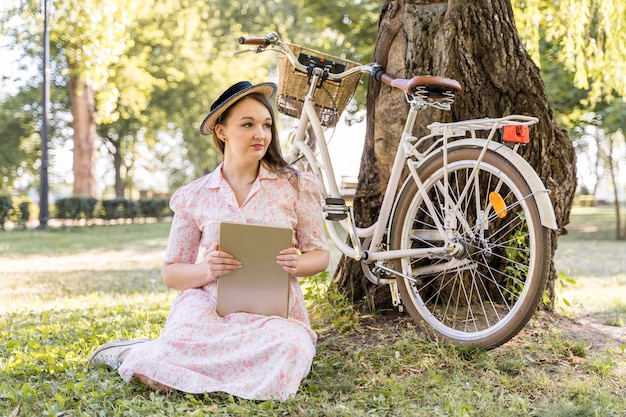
(476, 43)
(82, 99)
(114, 148)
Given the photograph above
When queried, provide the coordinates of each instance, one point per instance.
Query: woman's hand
(288, 259)
(182, 276)
(220, 263)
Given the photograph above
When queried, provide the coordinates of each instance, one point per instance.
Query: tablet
(261, 285)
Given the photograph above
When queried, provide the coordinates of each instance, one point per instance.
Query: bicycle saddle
(433, 86)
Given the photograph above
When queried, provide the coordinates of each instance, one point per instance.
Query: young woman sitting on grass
(247, 355)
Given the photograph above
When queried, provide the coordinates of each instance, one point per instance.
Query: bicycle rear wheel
(487, 291)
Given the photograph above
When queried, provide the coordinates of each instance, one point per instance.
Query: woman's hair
(273, 158)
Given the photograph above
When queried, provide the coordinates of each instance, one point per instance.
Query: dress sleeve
(184, 240)
(310, 231)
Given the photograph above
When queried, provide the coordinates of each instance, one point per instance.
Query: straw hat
(229, 97)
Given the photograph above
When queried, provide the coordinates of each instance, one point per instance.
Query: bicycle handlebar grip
(254, 40)
(380, 75)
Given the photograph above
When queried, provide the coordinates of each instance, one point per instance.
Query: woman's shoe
(110, 353)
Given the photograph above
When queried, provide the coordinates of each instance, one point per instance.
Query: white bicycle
(462, 239)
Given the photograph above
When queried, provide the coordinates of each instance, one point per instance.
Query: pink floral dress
(246, 355)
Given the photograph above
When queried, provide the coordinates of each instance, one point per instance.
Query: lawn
(67, 290)
(590, 256)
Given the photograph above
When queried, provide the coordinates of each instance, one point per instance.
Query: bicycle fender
(540, 192)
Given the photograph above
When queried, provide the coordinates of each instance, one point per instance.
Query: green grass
(590, 256)
(65, 291)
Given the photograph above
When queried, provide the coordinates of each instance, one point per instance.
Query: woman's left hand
(288, 260)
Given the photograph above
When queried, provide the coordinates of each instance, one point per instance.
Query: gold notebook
(261, 285)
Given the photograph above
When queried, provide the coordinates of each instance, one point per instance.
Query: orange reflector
(516, 134)
(499, 206)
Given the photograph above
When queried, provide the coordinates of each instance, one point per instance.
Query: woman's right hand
(220, 263)
(183, 276)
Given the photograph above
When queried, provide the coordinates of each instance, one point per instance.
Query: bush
(76, 208)
(154, 207)
(24, 213)
(119, 208)
(6, 209)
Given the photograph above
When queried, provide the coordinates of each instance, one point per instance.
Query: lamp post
(43, 187)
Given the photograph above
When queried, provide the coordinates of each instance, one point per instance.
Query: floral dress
(246, 355)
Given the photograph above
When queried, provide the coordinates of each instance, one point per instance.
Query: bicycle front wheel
(484, 293)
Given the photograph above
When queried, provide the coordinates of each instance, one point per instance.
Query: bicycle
(462, 240)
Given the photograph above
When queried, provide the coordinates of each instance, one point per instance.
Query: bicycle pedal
(335, 209)
(331, 201)
(335, 217)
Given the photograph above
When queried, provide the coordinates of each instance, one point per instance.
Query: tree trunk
(82, 99)
(475, 42)
(114, 148)
(612, 163)
(596, 167)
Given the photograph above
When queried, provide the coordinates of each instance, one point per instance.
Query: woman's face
(247, 131)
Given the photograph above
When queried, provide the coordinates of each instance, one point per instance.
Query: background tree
(20, 140)
(476, 43)
(582, 45)
(144, 74)
(90, 36)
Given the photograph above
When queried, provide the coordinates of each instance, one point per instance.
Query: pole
(43, 198)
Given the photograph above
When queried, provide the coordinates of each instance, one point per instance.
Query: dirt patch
(598, 324)
(589, 329)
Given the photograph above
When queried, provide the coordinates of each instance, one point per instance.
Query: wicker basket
(330, 100)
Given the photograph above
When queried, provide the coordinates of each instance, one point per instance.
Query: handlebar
(254, 40)
(433, 87)
(272, 40)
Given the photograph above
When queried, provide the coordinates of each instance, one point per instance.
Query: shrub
(76, 208)
(24, 215)
(6, 209)
(154, 207)
(119, 208)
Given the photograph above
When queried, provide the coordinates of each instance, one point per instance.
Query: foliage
(517, 254)
(24, 208)
(592, 49)
(119, 208)
(87, 208)
(6, 207)
(15, 210)
(18, 147)
(54, 313)
(75, 208)
(155, 65)
(589, 58)
(154, 207)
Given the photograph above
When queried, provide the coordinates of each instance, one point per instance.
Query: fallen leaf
(16, 411)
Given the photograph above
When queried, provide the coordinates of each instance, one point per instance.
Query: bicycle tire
(500, 274)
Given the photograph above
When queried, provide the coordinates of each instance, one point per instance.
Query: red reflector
(516, 134)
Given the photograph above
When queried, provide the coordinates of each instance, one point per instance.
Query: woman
(246, 355)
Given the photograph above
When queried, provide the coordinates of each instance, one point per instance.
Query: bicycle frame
(324, 170)
(407, 155)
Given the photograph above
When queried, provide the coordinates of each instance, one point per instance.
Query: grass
(65, 291)
(590, 256)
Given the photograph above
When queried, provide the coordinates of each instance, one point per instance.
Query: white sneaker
(110, 353)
